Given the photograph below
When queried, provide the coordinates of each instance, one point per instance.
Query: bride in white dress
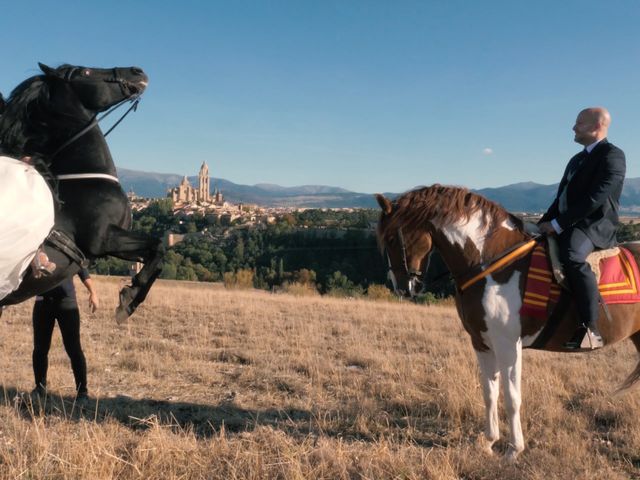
(26, 218)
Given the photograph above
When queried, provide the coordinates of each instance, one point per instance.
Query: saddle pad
(619, 278)
(541, 285)
(618, 282)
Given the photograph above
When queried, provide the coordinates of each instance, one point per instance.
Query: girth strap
(87, 176)
(62, 242)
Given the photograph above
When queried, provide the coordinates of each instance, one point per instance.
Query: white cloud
(487, 151)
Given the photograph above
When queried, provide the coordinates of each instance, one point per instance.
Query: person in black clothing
(60, 304)
(584, 215)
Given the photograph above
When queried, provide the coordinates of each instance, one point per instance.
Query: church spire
(204, 190)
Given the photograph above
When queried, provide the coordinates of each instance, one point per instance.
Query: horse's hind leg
(490, 378)
(135, 247)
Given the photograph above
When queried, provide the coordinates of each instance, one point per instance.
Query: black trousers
(575, 246)
(45, 314)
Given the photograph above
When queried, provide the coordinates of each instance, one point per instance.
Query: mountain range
(518, 197)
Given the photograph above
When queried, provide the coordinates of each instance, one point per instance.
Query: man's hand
(93, 302)
(546, 228)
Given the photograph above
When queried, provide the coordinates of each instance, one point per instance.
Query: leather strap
(501, 262)
(83, 176)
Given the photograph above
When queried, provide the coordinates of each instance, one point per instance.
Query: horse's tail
(630, 380)
(634, 376)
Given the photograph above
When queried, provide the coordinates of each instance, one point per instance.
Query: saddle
(593, 260)
(616, 271)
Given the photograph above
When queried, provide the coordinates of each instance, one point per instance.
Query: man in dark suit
(585, 213)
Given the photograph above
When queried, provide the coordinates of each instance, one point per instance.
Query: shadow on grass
(141, 414)
(206, 421)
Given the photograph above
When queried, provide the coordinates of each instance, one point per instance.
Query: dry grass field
(207, 383)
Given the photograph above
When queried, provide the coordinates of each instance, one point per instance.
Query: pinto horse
(52, 118)
(473, 235)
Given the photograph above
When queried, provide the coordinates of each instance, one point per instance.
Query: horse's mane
(442, 204)
(19, 134)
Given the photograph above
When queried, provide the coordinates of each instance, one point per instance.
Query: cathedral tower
(204, 194)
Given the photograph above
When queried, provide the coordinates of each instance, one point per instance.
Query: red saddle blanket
(618, 281)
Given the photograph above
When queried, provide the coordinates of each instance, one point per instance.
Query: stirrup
(592, 340)
(584, 339)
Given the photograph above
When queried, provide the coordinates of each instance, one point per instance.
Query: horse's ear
(3, 104)
(384, 203)
(46, 69)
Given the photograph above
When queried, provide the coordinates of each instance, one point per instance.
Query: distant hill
(518, 197)
(153, 185)
(522, 197)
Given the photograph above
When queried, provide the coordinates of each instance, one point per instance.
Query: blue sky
(363, 94)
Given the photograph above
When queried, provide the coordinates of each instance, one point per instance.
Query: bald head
(591, 125)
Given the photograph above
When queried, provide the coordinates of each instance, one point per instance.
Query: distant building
(218, 198)
(203, 184)
(131, 195)
(183, 193)
(186, 193)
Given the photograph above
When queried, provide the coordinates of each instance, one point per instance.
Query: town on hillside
(211, 239)
(188, 200)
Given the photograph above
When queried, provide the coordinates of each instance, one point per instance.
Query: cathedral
(185, 193)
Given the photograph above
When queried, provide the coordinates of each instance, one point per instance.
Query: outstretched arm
(94, 303)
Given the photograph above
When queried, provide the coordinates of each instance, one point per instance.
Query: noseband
(415, 276)
(125, 86)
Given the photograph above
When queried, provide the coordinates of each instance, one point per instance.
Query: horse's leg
(490, 377)
(134, 246)
(509, 355)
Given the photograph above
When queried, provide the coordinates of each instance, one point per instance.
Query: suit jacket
(594, 184)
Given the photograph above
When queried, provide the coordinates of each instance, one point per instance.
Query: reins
(95, 121)
(477, 272)
(498, 262)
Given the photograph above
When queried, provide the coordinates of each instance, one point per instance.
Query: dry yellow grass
(209, 383)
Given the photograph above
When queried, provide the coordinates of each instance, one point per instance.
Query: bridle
(472, 276)
(415, 276)
(124, 84)
(133, 98)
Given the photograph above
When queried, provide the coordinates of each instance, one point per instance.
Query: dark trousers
(575, 246)
(45, 314)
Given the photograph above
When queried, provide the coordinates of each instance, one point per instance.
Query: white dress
(26, 218)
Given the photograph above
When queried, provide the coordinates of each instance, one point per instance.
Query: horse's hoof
(512, 454)
(121, 314)
(485, 444)
(125, 309)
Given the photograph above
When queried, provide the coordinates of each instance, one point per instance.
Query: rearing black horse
(52, 117)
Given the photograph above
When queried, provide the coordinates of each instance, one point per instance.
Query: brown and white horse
(471, 232)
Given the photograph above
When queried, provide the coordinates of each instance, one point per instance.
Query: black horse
(52, 118)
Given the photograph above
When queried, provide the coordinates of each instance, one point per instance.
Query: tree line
(332, 251)
(328, 251)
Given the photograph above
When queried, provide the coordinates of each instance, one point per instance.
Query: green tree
(339, 285)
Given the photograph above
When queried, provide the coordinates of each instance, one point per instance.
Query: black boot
(577, 338)
(585, 338)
